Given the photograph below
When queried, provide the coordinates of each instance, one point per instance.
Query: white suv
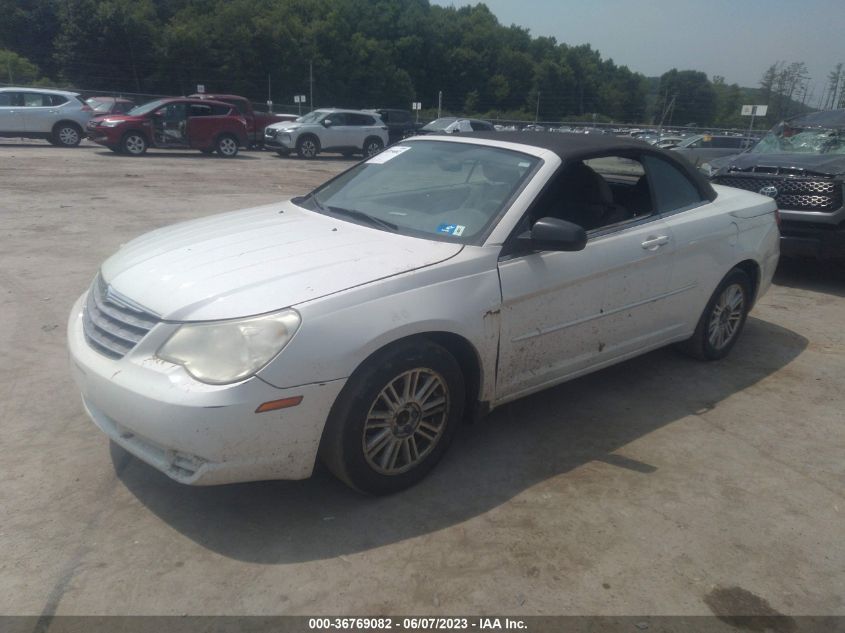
(54, 115)
(347, 132)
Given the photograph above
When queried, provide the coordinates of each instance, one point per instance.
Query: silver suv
(346, 132)
(54, 115)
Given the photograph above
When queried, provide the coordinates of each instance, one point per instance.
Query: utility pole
(439, 102)
(311, 81)
(9, 67)
(537, 108)
(269, 96)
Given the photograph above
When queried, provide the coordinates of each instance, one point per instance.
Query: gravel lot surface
(662, 485)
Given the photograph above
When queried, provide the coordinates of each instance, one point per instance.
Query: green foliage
(15, 69)
(363, 53)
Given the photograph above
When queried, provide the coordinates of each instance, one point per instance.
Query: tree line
(351, 53)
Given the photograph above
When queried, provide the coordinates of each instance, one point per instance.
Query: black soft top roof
(571, 147)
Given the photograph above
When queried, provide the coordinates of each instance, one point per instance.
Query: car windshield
(438, 190)
(311, 117)
(803, 140)
(439, 124)
(147, 107)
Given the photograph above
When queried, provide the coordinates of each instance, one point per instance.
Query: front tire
(67, 135)
(723, 318)
(395, 418)
(308, 147)
(133, 144)
(227, 146)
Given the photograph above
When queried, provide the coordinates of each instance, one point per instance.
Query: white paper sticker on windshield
(388, 154)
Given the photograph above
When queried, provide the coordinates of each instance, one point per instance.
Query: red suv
(172, 124)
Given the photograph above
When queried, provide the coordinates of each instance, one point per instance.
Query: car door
(38, 113)
(567, 313)
(337, 133)
(11, 112)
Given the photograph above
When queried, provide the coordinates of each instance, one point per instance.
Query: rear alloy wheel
(395, 418)
(227, 146)
(307, 147)
(67, 135)
(723, 319)
(372, 146)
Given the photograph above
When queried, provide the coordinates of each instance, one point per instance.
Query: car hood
(287, 125)
(827, 164)
(259, 260)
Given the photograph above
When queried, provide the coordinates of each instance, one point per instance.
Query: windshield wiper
(313, 197)
(360, 215)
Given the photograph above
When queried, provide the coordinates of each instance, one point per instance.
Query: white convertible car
(435, 281)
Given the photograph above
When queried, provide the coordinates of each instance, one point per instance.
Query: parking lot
(662, 485)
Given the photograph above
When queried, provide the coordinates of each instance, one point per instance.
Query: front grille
(112, 324)
(799, 194)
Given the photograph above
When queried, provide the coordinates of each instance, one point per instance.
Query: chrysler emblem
(770, 191)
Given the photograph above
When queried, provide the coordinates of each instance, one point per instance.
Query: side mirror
(553, 234)
(327, 122)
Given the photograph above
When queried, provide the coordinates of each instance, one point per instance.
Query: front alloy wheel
(134, 144)
(395, 417)
(406, 421)
(307, 147)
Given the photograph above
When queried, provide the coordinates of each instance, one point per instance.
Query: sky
(738, 39)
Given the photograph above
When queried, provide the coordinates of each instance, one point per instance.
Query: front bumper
(821, 241)
(279, 141)
(195, 433)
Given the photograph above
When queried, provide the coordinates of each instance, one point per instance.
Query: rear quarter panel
(712, 239)
(203, 132)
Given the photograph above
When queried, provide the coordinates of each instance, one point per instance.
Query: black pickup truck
(400, 123)
(801, 164)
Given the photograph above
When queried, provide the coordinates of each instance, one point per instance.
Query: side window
(387, 116)
(221, 110)
(598, 193)
(55, 100)
(479, 126)
(8, 99)
(338, 118)
(672, 189)
(35, 100)
(197, 109)
(360, 119)
(400, 117)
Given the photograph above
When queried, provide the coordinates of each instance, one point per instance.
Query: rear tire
(723, 318)
(308, 147)
(67, 135)
(227, 146)
(372, 146)
(395, 418)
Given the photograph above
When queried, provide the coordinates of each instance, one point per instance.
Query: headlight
(108, 123)
(222, 352)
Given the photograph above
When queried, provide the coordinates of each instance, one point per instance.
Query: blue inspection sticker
(451, 229)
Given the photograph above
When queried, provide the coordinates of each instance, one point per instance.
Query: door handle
(655, 241)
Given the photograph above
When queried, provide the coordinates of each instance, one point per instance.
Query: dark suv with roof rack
(801, 164)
